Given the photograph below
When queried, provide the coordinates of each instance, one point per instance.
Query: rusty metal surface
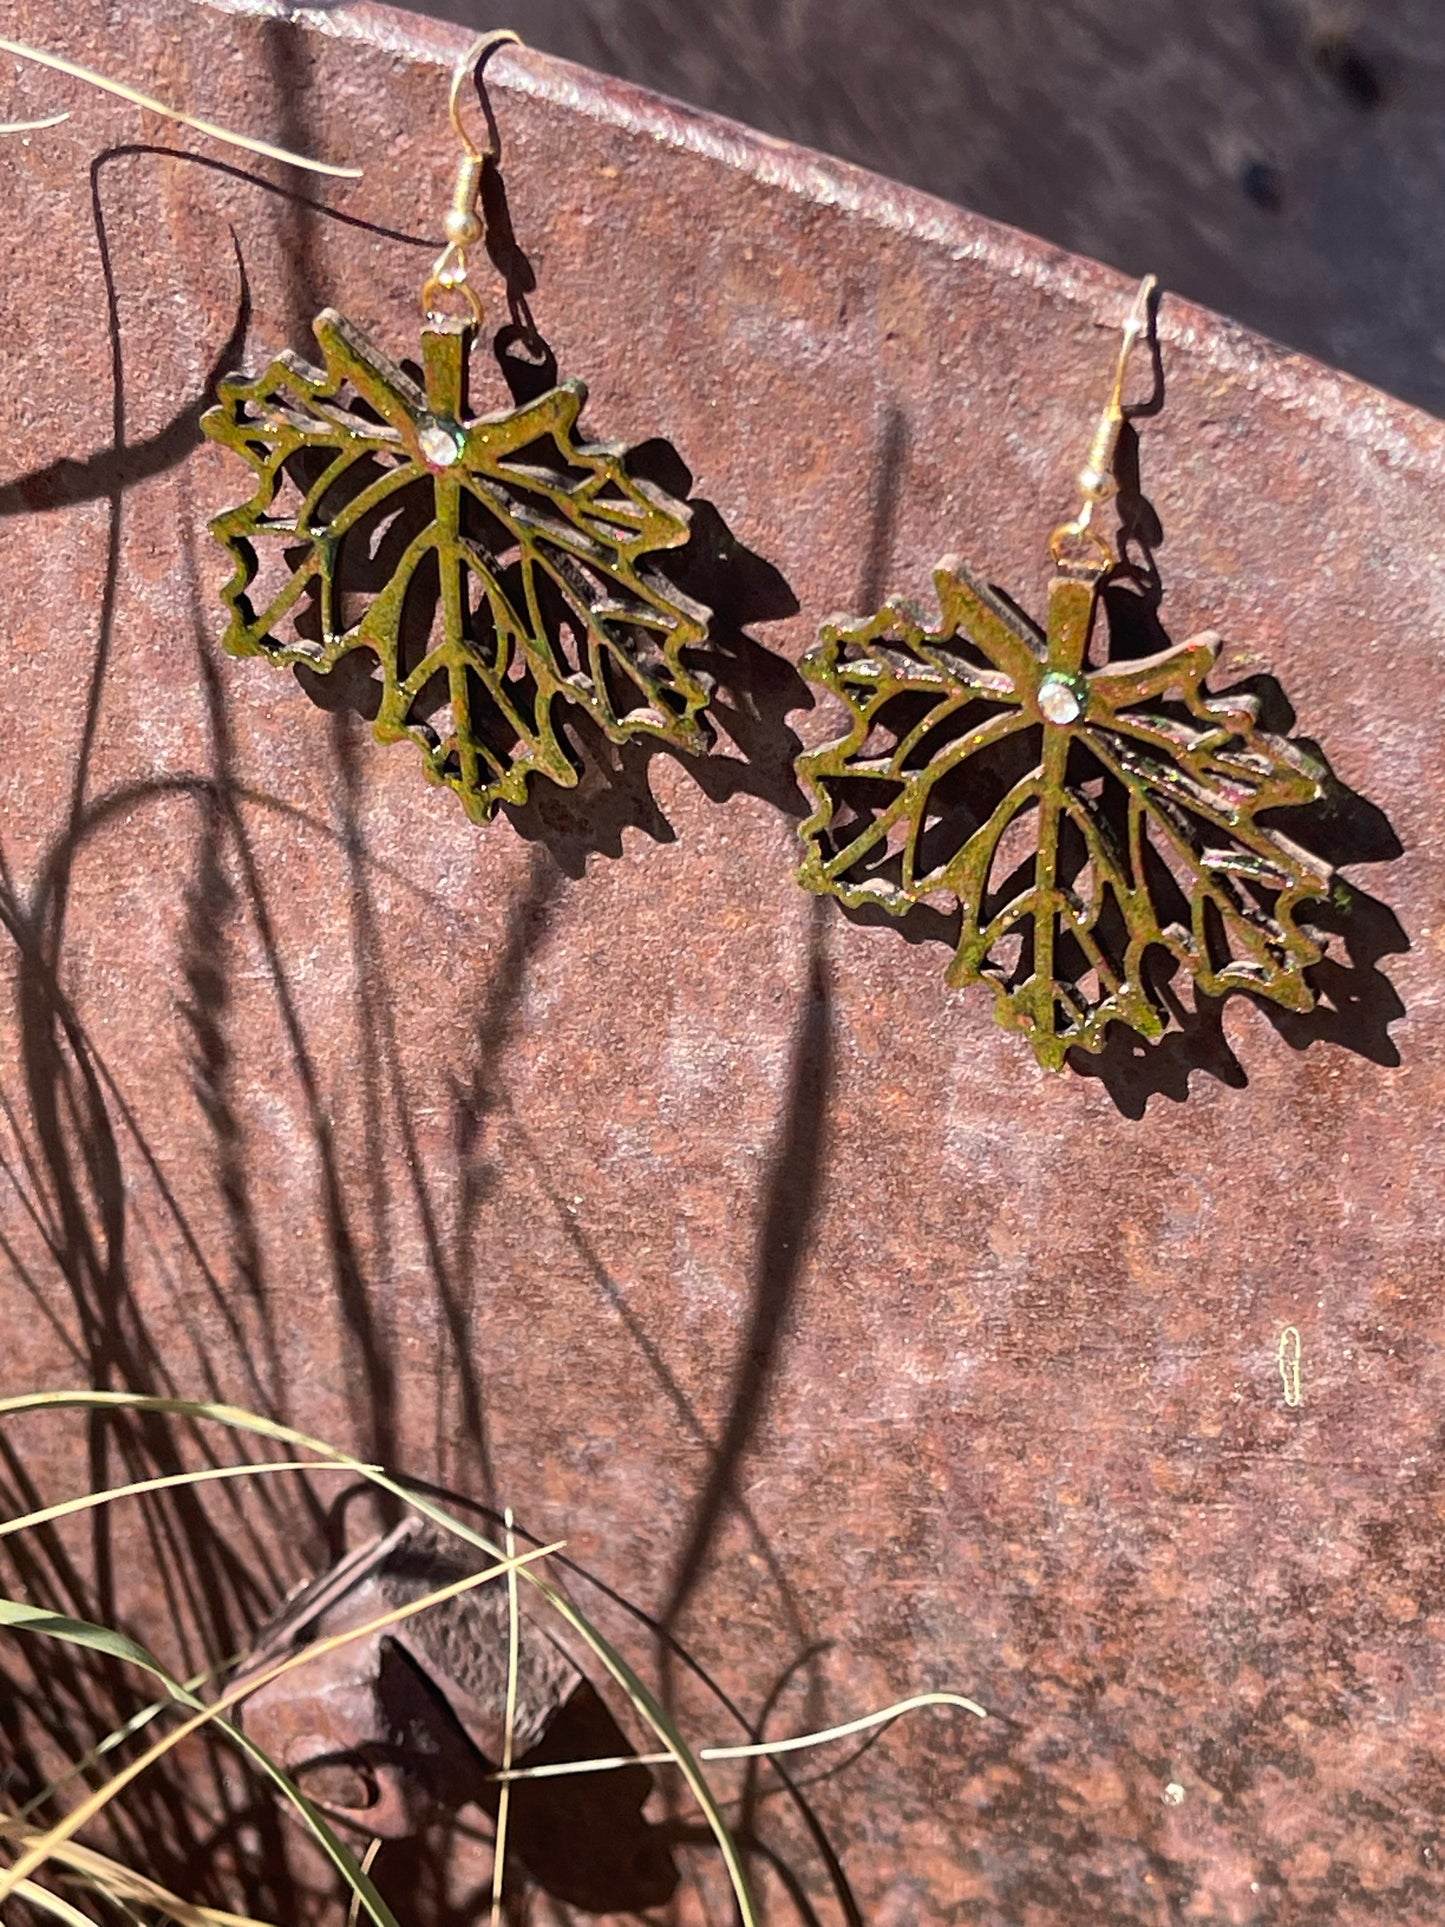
(1279, 160)
(584, 1162)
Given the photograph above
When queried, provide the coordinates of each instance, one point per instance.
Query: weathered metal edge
(1401, 434)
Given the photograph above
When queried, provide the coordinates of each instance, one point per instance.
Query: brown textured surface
(586, 1164)
(1280, 160)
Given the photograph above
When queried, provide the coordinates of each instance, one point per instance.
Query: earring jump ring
(438, 286)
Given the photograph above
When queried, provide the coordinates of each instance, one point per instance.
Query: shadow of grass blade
(22, 1617)
(110, 1880)
(643, 1701)
(18, 1616)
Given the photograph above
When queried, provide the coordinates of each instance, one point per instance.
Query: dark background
(1282, 161)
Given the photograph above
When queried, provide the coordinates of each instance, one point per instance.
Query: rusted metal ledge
(584, 1163)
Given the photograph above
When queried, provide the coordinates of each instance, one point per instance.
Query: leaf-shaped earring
(493, 565)
(1081, 817)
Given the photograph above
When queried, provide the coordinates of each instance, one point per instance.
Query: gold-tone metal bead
(462, 227)
(1096, 478)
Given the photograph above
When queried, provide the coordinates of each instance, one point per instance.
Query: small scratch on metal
(1289, 1364)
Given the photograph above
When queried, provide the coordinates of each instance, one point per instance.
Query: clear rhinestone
(1059, 700)
(439, 446)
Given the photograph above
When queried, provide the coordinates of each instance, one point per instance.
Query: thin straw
(31, 126)
(138, 99)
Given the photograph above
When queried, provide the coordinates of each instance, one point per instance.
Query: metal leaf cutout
(1078, 817)
(491, 564)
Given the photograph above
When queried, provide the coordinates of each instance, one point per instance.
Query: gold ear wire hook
(1096, 477)
(463, 225)
(469, 67)
(137, 99)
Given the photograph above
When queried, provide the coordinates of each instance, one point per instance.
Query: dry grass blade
(102, 1875)
(759, 1750)
(644, 1702)
(33, 126)
(509, 1728)
(46, 1902)
(36, 1855)
(112, 1740)
(22, 1617)
(765, 1748)
(152, 106)
(368, 1861)
(66, 1507)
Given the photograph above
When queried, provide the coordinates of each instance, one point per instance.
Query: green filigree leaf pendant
(1085, 821)
(491, 570)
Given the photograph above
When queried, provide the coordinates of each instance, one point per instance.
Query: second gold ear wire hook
(1096, 478)
(463, 225)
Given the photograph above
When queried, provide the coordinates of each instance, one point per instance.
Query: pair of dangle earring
(1091, 822)
(497, 568)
